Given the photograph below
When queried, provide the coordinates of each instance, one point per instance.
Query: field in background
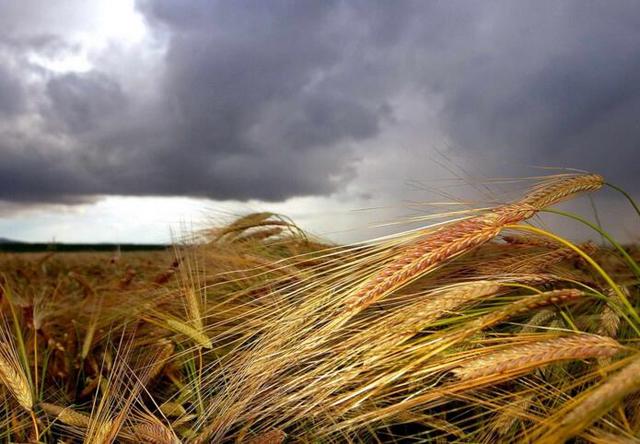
(28, 247)
(479, 329)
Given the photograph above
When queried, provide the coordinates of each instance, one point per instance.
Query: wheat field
(483, 328)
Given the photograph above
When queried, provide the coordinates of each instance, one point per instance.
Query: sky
(131, 121)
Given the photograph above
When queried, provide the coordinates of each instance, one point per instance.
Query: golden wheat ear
(594, 404)
(12, 374)
(66, 415)
(523, 358)
(149, 430)
(439, 246)
(274, 436)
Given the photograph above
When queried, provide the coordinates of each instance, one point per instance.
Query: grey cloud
(250, 108)
(12, 98)
(267, 99)
(555, 89)
(82, 102)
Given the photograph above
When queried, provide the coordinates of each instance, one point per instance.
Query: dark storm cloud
(250, 86)
(557, 89)
(267, 99)
(247, 110)
(81, 102)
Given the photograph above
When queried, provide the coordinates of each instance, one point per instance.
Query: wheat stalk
(193, 308)
(536, 264)
(431, 249)
(599, 436)
(510, 414)
(522, 358)
(17, 384)
(529, 241)
(166, 349)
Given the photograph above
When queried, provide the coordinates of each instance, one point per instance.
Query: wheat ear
(525, 305)
(66, 415)
(556, 190)
(523, 358)
(14, 378)
(151, 433)
(595, 404)
(415, 317)
(275, 436)
(198, 336)
(102, 433)
(440, 245)
(609, 318)
(172, 409)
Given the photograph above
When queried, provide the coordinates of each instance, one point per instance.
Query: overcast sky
(119, 119)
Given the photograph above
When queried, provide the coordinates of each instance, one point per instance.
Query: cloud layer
(273, 99)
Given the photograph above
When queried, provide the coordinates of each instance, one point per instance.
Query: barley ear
(595, 403)
(66, 415)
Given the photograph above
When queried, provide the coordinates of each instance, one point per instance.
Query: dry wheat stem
(529, 356)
